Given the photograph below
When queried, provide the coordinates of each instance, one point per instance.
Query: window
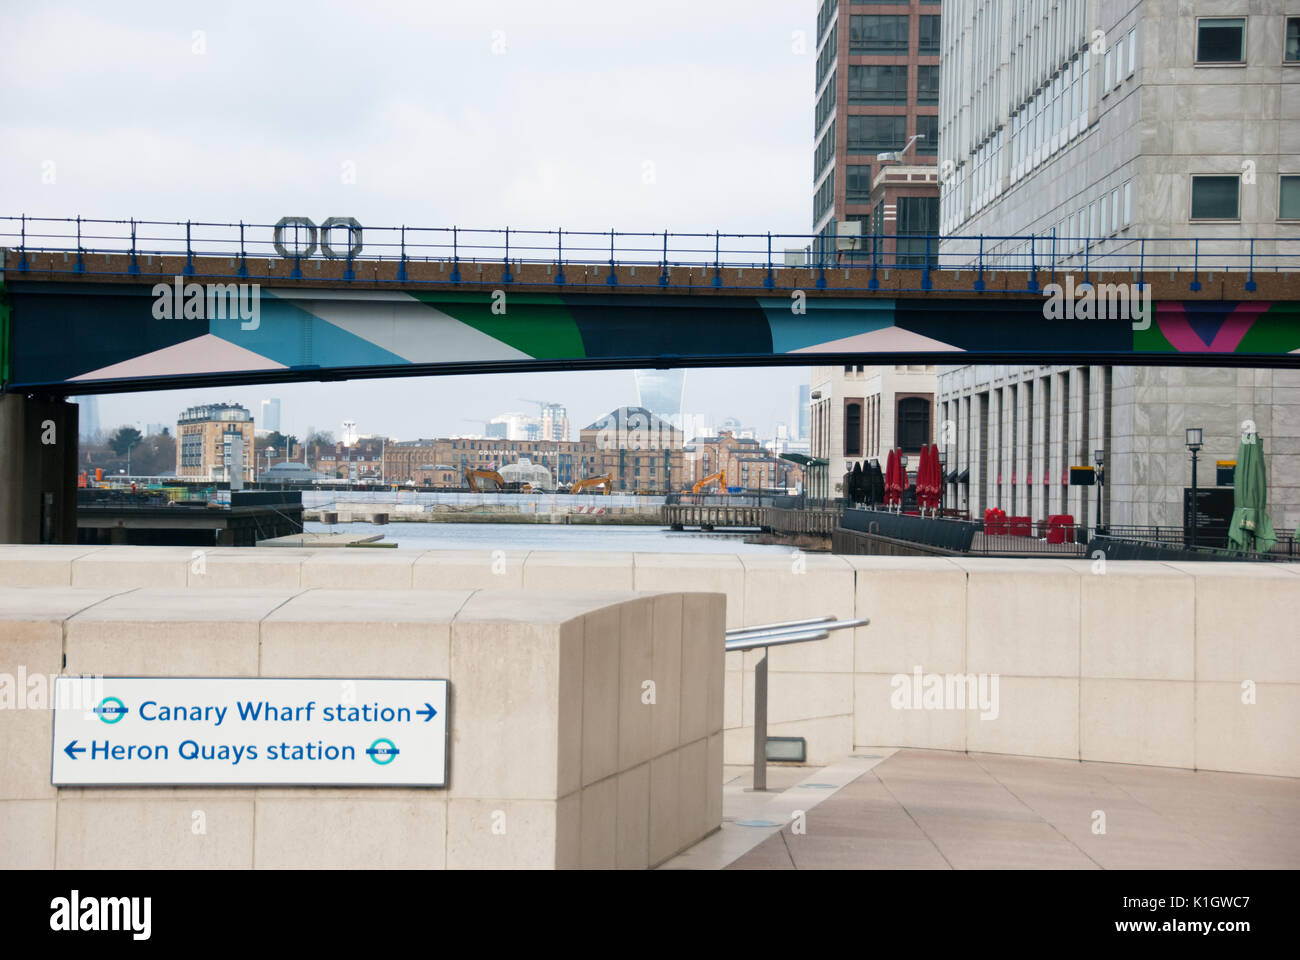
(853, 429)
(1292, 52)
(1105, 223)
(1132, 51)
(929, 36)
(1288, 201)
(928, 128)
(1119, 61)
(1221, 40)
(873, 134)
(858, 186)
(1114, 210)
(874, 33)
(825, 149)
(1109, 74)
(1092, 220)
(917, 219)
(927, 84)
(825, 104)
(1128, 202)
(913, 423)
(824, 199)
(1214, 198)
(873, 84)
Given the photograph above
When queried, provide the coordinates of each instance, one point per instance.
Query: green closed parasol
(1251, 527)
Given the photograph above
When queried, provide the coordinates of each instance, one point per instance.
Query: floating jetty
(329, 540)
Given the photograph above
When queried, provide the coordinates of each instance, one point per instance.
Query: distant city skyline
(448, 406)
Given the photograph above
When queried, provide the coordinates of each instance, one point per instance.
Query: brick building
(205, 441)
(641, 451)
(443, 462)
(747, 463)
(877, 87)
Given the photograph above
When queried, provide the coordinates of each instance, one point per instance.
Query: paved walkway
(928, 809)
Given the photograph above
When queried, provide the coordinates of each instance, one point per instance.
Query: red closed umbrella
(931, 478)
(891, 478)
(923, 478)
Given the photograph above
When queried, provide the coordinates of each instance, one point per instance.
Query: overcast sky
(485, 113)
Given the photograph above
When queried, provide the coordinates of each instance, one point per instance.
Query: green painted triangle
(537, 324)
(1276, 330)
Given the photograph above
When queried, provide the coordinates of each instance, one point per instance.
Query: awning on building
(964, 476)
(805, 461)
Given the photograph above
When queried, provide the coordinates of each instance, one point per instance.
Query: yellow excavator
(489, 481)
(720, 478)
(586, 484)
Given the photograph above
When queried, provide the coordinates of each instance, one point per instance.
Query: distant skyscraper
(87, 416)
(660, 391)
(801, 423)
(270, 418)
(555, 421)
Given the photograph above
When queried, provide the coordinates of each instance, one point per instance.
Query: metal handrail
(789, 631)
(83, 240)
(767, 635)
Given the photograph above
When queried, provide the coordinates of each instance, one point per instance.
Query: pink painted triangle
(888, 339)
(205, 354)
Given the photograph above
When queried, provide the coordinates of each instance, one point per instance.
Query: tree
(123, 439)
(154, 455)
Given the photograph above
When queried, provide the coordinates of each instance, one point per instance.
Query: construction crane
(605, 480)
(720, 478)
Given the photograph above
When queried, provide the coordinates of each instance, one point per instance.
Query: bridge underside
(95, 335)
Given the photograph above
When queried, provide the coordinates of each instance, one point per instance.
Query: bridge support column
(38, 470)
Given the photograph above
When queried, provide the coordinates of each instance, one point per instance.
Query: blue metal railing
(724, 260)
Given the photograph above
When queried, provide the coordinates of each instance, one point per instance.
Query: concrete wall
(547, 719)
(1122, 662)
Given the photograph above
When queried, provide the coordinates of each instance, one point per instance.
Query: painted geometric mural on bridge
(87, 334)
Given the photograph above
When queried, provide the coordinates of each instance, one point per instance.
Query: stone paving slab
(930, 809)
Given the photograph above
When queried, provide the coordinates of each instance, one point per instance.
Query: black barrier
(1114, 549)
(930, 531)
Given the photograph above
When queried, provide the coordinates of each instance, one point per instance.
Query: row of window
(1218, 197)
(1223, 40)
(826, 58)
(825, 151)
(890, 34)
(873, 134)
(911, 424)
(824, 199)
(825, 104)
(1102, 217)
(825, 15)
(1053, 117)
(888, 83)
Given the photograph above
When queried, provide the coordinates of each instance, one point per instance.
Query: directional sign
(246, 732)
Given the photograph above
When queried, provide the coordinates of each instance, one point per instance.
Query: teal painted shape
(826, 320)
(288, 334)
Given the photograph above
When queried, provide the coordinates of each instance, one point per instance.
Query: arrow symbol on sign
(72, 750)
(428, 712)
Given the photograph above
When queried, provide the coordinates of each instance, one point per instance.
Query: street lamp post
(1194, 442)
(1099, 458)
(943, 478)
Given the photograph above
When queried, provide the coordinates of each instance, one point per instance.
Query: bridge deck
(729, 280)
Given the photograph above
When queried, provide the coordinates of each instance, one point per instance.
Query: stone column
(38, 470)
